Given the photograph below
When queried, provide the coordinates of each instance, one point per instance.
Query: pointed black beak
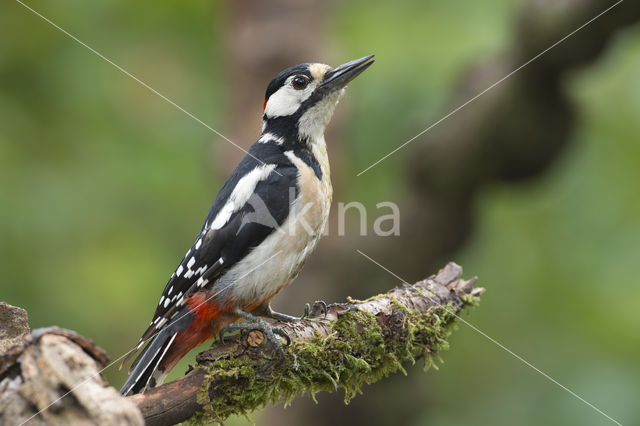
(339, 77)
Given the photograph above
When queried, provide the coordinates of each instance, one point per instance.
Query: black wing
(216, 250)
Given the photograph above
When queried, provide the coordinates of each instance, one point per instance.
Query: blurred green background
(104, 185)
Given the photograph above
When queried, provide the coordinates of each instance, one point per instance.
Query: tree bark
(52, 375)
(358, 342)
(516, 131)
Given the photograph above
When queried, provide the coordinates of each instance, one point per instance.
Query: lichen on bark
(359, 347)
(357, 342)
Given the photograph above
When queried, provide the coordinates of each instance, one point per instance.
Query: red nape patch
(264, 106)
(204, 309)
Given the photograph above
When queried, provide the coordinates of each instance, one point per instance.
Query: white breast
(255, 279)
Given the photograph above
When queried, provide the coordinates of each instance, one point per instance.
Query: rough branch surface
(51, 375)
(357, 343)
(37, 370)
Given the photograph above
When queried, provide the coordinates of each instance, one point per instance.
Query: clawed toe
(272, 334)
(319, 307)
(280, 332)
(255, 323)
(226, 330)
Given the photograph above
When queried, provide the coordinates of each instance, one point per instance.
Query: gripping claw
(254, 323)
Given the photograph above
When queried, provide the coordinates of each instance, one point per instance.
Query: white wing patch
(270, 137)
(241, 193)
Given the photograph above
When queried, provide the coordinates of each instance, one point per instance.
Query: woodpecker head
(299, 101)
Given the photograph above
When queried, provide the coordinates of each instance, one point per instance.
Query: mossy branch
(358, 342)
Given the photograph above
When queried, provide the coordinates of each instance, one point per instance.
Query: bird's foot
(319, 307)
(314, 311)
(251, 323)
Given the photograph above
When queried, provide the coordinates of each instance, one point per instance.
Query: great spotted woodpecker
(262, 226)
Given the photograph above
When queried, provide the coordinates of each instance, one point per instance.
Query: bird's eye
(299, 82)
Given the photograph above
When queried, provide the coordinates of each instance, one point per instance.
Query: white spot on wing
(192, 262)
(198, 243)
(166, 302)
(162, 322)
(179, 271)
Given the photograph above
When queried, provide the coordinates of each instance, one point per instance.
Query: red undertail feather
(199, 331)
(205, 310)
(200, 323)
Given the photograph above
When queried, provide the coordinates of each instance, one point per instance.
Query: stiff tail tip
(148, 371)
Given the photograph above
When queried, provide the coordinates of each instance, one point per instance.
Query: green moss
(470, 300)
(360, 350)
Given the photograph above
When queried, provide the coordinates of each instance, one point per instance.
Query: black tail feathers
(147, 372)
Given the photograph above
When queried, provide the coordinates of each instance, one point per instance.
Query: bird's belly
(274, 263)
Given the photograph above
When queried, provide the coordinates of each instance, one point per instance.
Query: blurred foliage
(560, 258)
(104, 185)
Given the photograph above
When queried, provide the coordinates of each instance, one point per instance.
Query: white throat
(313, 122)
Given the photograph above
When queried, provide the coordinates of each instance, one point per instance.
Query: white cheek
(283, 102)
(286, 101)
